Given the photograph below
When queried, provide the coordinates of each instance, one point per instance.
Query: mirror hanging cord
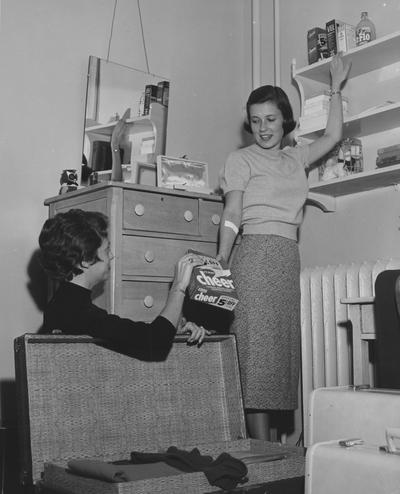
(144, 41)
(111, 31)
(141, 29)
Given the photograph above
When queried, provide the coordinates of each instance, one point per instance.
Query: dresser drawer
(210, 216)
(143, 300)
(160, 213)
(98, 205)
(148, 256)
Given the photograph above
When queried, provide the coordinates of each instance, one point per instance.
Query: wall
(366, 225)
(203, 46)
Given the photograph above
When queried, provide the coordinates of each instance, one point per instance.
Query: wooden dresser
(150, 229)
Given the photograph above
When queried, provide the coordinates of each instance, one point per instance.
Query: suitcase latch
(392, 433)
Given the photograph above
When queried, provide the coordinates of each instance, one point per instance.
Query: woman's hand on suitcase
(196, 333)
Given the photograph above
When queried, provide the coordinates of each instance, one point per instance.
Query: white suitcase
(359, 469)
(351, 411)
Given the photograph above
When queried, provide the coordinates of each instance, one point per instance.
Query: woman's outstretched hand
(339, 71)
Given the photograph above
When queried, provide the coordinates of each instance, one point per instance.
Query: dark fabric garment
(225, 471)
(101, 470)
(71, 311)
(187, 461)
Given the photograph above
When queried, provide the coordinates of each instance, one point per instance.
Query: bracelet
(335, 91)
(179, 290)
(116, 150)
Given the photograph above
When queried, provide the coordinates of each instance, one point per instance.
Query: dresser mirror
(112, 89)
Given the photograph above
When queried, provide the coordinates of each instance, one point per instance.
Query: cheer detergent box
(211, 283)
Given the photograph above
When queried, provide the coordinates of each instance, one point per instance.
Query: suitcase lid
(78, 399)
(338, 412)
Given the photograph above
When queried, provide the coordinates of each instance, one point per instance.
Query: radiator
(337, 323)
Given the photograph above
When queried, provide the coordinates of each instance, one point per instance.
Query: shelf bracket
(324, 202)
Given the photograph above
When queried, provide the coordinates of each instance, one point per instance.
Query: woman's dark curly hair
(277, 96)
(70, 238)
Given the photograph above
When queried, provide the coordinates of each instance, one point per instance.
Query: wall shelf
(372, 56)
(324, 193)
(106, 129)
(359, 182)
(374, 75)
(377, 119)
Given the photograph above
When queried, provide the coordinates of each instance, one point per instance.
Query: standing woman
(265, 187)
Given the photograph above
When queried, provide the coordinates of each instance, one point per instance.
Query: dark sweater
(71, 311)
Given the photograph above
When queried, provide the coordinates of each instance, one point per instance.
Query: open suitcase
(78, 399)
(352, 411)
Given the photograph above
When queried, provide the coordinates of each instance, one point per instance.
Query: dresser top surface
(107, 186)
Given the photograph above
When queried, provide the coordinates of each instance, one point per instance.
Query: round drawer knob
(148, 301)
(149, 256)
(215, 218)
(139, 209)
(188, 215)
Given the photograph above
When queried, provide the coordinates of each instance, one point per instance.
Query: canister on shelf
(353, 158)
(345, 159)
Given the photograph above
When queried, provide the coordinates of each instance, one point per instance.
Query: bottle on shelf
(365, 30)
(353, 155)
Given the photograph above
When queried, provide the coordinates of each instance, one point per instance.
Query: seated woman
(75, 251)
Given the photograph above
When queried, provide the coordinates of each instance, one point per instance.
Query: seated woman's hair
(276, 95)
(69, 239)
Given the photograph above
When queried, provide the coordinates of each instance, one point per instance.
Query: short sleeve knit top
(274, 184)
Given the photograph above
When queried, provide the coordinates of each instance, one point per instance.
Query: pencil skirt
(266, 272)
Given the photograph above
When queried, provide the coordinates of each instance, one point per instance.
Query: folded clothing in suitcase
(351, 411)
(80, 400)
(359, 469)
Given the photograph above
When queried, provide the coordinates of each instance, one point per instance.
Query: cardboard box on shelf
(163, 92)
(338, 43)
(346, 37)
(150, 95)
(388, 156)
(316, 44)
